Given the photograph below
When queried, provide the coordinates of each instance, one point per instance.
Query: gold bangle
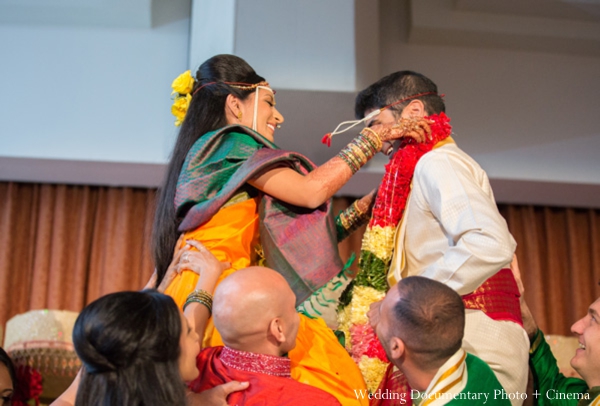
(352, 218)
(359, 151)
(366, 147)
(368, 143)
(375, 139)
(351, 164)
(537, 339)
(358, 210)
(200, 296)
(198, 300)
(200, 292)
(344, 220)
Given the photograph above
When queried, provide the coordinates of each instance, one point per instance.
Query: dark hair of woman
(206, 113)
(5, 359)
(129, 344)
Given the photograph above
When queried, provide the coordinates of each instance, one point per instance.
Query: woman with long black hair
(230, 187)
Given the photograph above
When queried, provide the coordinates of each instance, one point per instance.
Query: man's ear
(415, 108)
(276, 330)
(397, 348)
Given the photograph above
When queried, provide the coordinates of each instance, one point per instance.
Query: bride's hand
(198, 261)
(417, 128)
(203, 262)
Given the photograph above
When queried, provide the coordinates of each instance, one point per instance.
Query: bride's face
(267, 117)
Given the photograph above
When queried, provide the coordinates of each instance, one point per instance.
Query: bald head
(254, 310)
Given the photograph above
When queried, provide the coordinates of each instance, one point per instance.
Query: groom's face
(386, 117)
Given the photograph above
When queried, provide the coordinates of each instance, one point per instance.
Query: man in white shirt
(451, 231)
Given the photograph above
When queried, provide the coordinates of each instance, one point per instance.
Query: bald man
(254, 311)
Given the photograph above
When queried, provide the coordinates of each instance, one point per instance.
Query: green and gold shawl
(299, 243)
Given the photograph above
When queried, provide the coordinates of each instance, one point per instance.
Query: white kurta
(452, 232)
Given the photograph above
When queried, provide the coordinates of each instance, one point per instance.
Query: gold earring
(239, 115)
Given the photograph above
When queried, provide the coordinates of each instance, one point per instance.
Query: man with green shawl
(550, 386)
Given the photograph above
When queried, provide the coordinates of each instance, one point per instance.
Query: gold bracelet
(352, 218)
(374, 139)
(365, 146)
(353, 167)
(344, 220)
(358, 210)
(197, 300)
(200, 296)
(200, 292)
(359, 151)
(537, 339)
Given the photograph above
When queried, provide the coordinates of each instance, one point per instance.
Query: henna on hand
(415, 127)
(365, 203)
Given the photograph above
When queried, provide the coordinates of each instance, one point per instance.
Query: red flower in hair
(29, 386)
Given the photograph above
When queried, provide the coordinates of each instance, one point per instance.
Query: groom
(451, 230)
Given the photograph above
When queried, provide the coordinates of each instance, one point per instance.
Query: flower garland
(377, 248)
(182, 88)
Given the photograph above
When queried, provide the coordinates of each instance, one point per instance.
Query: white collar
(449, 380)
